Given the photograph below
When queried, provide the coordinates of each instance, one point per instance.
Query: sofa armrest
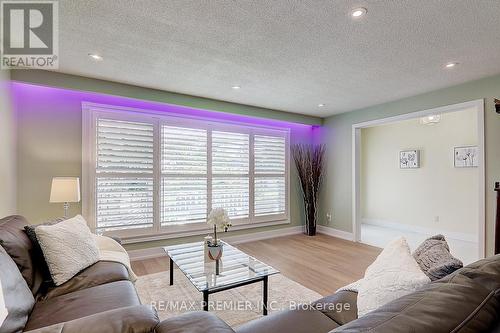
(132, 319)
(342, 307)
(194, 322)
(116, 239)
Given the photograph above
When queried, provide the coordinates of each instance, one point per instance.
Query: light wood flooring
(321, 263)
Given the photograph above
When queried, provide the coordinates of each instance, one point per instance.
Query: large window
(150, 174)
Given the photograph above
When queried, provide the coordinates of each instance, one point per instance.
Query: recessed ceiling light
(358, 12)
(430, 119)
(451, 64)
(321, 105)
(95, 57)
(236, 87)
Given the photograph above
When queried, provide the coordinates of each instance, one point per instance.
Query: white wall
(7, 149)
(417, 196)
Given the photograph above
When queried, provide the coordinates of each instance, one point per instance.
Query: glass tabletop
(233, 268)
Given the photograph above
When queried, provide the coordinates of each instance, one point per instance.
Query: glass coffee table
(234, 269)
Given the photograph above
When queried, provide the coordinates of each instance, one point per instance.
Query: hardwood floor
(321, 263)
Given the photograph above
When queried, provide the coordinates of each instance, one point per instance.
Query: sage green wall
(337, 193)
(7, 149)
(49, 125)
(81, 83)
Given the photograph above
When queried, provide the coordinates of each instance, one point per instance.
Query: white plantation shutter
(154, 173)
(270, 175)
(184, 200)
(184, 175)
(270, 196)
(232, 194)
(230, 153)
(230, 170)
(124, 175)
(184, 150)
(124, 203)
(269, 155)
(124, 146)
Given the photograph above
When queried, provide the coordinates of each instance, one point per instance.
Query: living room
(216, 166)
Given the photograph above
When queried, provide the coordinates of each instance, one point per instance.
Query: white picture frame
(466, 157)
(409, 159)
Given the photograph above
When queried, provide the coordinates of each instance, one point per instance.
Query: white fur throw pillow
(393, 274)
(68, 248)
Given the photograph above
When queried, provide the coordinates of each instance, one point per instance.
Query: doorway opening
(422, 174)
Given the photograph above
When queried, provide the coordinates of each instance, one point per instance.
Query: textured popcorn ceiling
(286, 55)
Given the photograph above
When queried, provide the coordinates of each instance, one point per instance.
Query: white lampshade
(65, 189)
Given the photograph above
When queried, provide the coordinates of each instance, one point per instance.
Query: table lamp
(65, 190)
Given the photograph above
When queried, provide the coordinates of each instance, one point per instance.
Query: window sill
(195, 231)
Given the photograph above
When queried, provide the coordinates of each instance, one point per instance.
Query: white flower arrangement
(218, 219)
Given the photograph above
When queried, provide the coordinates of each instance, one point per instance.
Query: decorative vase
(215, 251)
(311, 230)
(310, 212)
(206, 241)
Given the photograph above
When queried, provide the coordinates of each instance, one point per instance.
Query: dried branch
(309, 161)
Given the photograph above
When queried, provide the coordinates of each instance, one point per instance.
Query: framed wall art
(409, 159)
(466, 157)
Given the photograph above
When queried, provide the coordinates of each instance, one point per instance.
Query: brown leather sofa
(466, 301)
(101, 298)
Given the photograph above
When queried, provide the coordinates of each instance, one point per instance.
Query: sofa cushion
(19, 247)
(82, 303)
(296, 321)
(466, 301)
(131, 319)
(68, 248)
(393, 274)
(3, 308)
(194, 322)
(99, 273)
(434, 258)
(17, 297)
(37, 250)
(341, 306)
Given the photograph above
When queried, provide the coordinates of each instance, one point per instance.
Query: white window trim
(90, 112)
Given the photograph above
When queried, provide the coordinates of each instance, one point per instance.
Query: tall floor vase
(309, 160)
(310, 212)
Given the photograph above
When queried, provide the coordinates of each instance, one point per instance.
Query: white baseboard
(149, 253)
(335, 232)
(255, 236)
(155, 252)
(421, 230)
